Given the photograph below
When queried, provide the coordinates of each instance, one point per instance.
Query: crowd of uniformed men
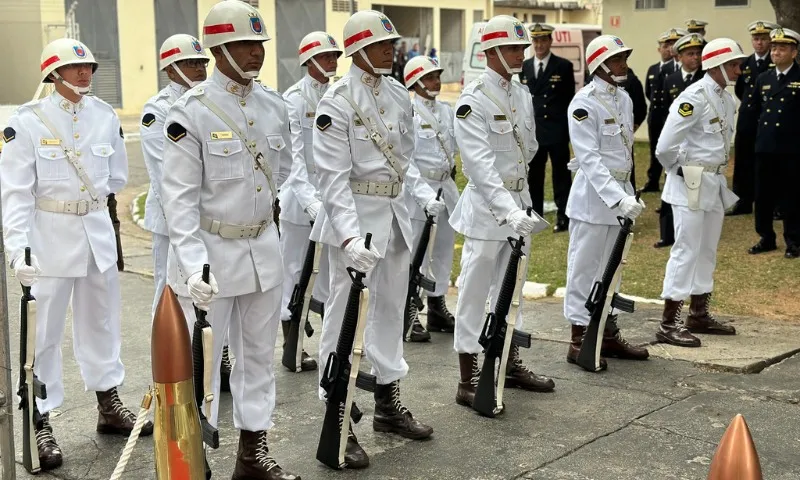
(360, 156)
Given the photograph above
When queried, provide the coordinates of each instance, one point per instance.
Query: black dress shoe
(777, 215)
(561, 226)
(739, 209)
(661, 244)
(792, 252)
(762, 246)
(651, 187)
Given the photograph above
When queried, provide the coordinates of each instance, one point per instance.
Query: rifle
(299, 306)
(497, 335)
(30, 387)
(202, 342)
(112, 211)
(340, 377)
(416, 280)
(603, 298)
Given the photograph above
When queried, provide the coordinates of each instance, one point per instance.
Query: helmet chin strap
(189, 83)
(617, 78)
(430, 93)
(509, 70)
(322, 70)
(728, 81)
(76, 90)
(246, 75)
(377, 71)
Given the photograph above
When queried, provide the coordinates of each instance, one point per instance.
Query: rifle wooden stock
(201, 345)
(299, 306)
(341, 378)
(112, 212)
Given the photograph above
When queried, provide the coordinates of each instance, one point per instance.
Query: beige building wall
(552, 16)
(137, 42)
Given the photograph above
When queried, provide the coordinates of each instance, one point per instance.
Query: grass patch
(140, 201)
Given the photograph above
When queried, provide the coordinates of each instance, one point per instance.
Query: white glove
(573, 165)
(26, 274)
(200, 291)
(434, 207)
(313, 210)
(630, 207)
(521, 222)
(363, 259)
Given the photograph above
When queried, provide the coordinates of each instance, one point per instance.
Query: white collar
(67, 105)
(785, 71)
(685, 72)
(497, 79)
(366, 78)
(543, 61)
(603, 86)
(232, 86)
(711, 84)
(316, 85)
(177, 88)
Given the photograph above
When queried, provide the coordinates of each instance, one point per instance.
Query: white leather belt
(437, 175)
(73, 207)
(515, 185)
(380, 189)
(620, 175)
(233, 231)
(716, 169)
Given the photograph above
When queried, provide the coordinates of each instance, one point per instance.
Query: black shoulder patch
(121, 135)
(148, 119)
(176, 131)
(463, 111)
(9, 134)
(686, 109)
(580, 114)
(323, 122)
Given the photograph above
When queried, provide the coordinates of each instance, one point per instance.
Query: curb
(138, 216)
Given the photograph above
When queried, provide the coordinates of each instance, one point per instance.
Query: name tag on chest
(221, 135)
(50, 141)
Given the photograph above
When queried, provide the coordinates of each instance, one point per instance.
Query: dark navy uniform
(656, 115)
(635, 89)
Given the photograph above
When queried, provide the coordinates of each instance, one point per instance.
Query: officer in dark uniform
(747, 123)
(777, 100)
(635, 89)
(689, 49)
(551, 81)
(694, 25)
(654, 91)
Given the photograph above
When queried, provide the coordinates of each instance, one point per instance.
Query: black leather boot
(468, 365)
(253, 461)
(701, 321)
(225, 368)
(672, 330)
(50, 455)
(615, 345)
(307, 363)
(439, 317)
(416, 333)
(518, 375)
(114, 418)
(391, 416)
(575, 344)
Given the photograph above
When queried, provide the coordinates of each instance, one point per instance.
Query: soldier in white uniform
(362, 146)
(434, 156)
(64, 156)
(299, 198)
(601, 131)
(226, 137)
(693, 148)
(496, 134)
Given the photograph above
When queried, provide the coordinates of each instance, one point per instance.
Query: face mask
(246, 75)
(76, 90)
(617, 78)
(324, 72)
(378, 71)
(509, 70)
(430, 93)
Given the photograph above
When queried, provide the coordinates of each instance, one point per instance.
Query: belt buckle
(519, 184)
(82, 208)
(261, 227)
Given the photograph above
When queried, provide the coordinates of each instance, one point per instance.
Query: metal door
(294, 20)
(173, 16)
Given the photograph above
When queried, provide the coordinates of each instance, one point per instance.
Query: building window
(538, 18)
(650, 4)
(525, 17)
(514, 14)
(343, 6)
(731, 3)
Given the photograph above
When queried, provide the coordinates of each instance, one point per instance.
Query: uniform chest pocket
(363, 149)
(426, 140)
(224, 160)
(611, 137)
(501, 137)
(712, 128)
(51, 164)
(308, 128)
(101, 152)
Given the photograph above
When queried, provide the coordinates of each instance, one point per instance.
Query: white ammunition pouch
(693, 177)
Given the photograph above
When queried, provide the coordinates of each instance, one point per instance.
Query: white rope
(134, 436)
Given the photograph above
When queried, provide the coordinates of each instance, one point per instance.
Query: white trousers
(383, 336)
(442, 253)
(294, 243)
(483, 265)
(693, 258)
(251, 324)
(590, 245)
(160, 251)
(95, 331)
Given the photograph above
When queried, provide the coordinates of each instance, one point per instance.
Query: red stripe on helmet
(49, 61)
(358, 36)
(414, 72)
(219, 28)
(170, 53)
(715, 53)
(596, 54)
(493, 35)
(308, 47)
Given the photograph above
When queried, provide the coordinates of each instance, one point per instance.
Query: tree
(787, 13)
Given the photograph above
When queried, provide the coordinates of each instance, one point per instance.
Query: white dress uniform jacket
(601, 115)
(213, 175)
(491, 157)
(699, 130)
(35, 166)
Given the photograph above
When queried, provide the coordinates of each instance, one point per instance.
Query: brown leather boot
(253, 462)
(392, 416)
(307, 362)
(672, 330)
(50, 456)
(354, 456)
(439, 317)
(576, 340)
(225, 368)
(615, 345)
(468, 364)
(416, 332)
(114, 418)
(701, 321)
(518, 375)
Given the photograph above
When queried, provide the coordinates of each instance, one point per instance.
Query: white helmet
(418, 67)
(601, 49)
(179, 47)
(315, 43)
(719, 51)
(365, 28)
(233, 21)
(65, 51)
(504, 30)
